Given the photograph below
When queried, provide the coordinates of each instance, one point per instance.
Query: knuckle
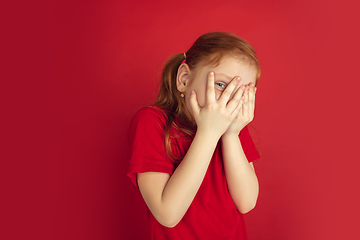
(211, 106)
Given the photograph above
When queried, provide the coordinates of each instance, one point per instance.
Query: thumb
(194, 104)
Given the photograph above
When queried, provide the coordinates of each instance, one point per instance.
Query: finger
(237, 99)
(194, 104)
(210, 91)
(245, 109)
(238, 110)
(252, 92)
(229, 90)
(252, 103)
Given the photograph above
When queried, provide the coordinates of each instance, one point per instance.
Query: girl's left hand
(246, 113)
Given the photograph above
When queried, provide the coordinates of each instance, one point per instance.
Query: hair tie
(185, 55)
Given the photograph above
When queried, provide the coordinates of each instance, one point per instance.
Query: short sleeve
(147, 143)
(248, 145)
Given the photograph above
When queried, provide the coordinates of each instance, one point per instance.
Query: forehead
(229, 67)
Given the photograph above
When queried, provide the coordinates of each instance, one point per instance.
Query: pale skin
(221, 99)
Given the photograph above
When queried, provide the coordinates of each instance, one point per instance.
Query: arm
(240, 174)
(168, 198)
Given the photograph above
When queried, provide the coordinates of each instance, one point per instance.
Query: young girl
(191, 151)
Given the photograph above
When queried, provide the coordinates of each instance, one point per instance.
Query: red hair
(209, 48)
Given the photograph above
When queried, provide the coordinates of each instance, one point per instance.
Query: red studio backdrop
(107, 58)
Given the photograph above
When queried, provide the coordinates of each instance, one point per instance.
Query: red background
(94, 63)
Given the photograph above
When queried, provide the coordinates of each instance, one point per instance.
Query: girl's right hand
(216, 116)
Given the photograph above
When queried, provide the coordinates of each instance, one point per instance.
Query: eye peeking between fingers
(220, 86)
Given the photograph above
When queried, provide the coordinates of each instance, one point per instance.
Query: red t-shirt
(212, 214)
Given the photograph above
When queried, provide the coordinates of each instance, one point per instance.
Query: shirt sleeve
(248, 145)
(147, 143)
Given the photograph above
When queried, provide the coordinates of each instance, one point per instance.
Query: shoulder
(150, 114)
(147, 121)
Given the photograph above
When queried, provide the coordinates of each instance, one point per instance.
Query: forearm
(240, 175)
(183, 185)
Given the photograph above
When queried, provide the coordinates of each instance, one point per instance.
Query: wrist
(233, 134)
(229, 138)
(208, 136)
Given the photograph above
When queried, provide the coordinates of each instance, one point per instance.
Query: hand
(246, 112)
(216, 115)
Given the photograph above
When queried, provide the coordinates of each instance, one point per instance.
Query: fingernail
(211, 73)
(238, 79)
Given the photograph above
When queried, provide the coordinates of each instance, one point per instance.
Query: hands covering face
(246, 111)
(225, 115)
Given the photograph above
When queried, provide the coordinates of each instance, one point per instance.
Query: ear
(182, 78)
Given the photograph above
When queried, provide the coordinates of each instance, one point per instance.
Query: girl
(191, 151)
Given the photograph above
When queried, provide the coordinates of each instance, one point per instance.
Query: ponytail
(170, 100)
(168, 88)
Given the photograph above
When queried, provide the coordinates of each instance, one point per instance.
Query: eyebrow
(224, 75)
